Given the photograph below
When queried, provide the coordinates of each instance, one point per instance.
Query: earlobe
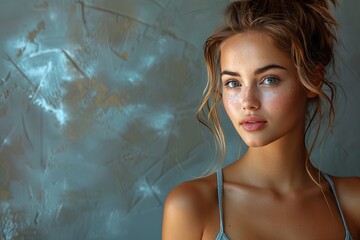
(311, 94)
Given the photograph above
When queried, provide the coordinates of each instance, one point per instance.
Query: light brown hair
(304, 29)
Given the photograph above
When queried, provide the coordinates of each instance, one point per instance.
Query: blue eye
(232, 84)
(270, 80)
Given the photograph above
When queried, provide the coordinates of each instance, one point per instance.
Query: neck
(279, 166)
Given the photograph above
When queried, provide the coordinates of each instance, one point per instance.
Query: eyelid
(231, 80)
(270, 77)
(227, 78)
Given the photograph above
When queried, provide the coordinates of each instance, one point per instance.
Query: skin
(267, 192)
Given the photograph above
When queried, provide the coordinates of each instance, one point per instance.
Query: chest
(285, 223)
(259, 215)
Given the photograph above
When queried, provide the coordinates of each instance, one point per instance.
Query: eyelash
(227, 83)
(271, 77)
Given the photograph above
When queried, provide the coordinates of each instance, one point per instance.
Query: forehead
(253, 47)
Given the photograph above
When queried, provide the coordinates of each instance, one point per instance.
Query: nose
(250, 98)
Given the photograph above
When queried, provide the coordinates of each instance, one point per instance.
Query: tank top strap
(333, 189)
(220, 196)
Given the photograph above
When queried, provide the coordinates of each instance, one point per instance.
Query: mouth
(253, 123)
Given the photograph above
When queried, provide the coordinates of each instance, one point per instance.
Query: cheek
(232, 109)
(275, 100)
(232, 97)
(285, 102)
(282, 101)
(232, 102)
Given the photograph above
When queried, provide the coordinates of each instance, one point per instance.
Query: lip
(253, 123)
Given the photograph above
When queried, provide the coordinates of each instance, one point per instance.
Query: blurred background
(97, 113)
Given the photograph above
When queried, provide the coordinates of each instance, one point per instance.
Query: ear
(318, 76)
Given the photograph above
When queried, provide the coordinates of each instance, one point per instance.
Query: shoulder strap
(332, 186)
(220, 193)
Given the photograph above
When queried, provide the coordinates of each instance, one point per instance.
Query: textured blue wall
(97, 112)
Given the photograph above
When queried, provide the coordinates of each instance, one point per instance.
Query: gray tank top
(222, 236)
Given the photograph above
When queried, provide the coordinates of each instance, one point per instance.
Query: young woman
(268, 65)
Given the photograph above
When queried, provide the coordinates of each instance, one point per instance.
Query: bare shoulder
(348, 191)
(191, 195)
(186, 208)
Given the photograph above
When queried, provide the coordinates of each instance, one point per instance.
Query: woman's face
(262, 94)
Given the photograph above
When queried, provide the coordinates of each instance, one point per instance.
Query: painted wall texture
(97, 112)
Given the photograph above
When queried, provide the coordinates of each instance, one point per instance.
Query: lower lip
(253, 126)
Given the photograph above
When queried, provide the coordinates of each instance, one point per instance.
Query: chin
(255, 144)
(257, 141)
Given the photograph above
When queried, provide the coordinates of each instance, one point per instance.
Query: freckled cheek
(234, 97)
(233, 106)
(275, 100)
(232, 101)
(281, 101)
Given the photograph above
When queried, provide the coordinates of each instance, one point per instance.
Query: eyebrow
(257, 71)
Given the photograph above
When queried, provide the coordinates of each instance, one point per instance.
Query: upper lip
(252, 119)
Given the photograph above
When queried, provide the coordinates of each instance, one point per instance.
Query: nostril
(250, 100)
